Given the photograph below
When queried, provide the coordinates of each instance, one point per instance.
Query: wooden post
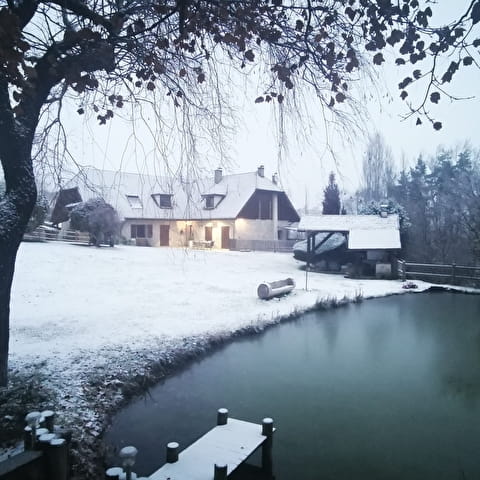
(49, 419)
(28, 438)
(128, 454)
(404, 270)
(309, 254)
(222, 416)
(113, 473)
(62, 432)
(267, 430)
(39, 432)
(454, 279)
(32, 420)
(220, 472)
(45, 439)
(57, 459)
(172, 452)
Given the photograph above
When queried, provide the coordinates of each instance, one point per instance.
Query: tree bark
(15, 210)
(7, 262)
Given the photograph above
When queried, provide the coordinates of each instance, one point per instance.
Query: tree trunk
(15, 210)
(7, 263)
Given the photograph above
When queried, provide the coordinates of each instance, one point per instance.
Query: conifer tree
(331, 201)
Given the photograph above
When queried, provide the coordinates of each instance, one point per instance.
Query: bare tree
(108, 53)
(378, 171)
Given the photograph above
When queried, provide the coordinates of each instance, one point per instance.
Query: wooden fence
(437, 273)
(68, 236)
(263, 245)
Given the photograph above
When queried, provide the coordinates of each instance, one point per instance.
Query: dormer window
(163, 200)
(209, 201)
(134, 201)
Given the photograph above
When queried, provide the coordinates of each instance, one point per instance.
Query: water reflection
(383, 390)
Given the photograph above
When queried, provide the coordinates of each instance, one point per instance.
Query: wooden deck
(229, 444)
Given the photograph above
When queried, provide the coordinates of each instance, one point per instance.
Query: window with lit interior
(141, 231)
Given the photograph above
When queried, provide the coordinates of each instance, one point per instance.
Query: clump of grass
(358, 297)
(326, 303)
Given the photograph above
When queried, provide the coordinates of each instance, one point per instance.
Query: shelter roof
(364, 231)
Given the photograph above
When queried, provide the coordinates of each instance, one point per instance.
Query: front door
(225, 237)
(164, 235)
(208, 234)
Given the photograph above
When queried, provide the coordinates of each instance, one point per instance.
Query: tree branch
(80, 9)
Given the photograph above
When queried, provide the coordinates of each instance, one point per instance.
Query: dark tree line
(442, 200)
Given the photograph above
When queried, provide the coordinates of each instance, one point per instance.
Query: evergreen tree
(331, 202)
(443, 203)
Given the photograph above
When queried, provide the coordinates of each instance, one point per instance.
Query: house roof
(364, 231)
(187, 197)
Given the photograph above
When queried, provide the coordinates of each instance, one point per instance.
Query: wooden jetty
(220, 451)
(212, 457)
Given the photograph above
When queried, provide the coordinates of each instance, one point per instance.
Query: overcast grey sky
(304, 170)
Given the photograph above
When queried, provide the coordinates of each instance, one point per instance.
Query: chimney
(261, 171)
(275, 178)
(218, 175)
(384, 210)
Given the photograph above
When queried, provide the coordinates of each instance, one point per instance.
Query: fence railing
(56, 236)
(263, 245)
(440, 273)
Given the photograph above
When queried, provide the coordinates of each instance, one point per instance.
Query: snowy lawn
(69, 301)
(88, 317)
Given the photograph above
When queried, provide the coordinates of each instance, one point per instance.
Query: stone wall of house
(181, 232)
(246, 229)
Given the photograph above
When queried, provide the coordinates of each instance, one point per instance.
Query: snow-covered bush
(390, 207)
(96, 217)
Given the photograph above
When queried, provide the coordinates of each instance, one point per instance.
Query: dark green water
(387, 389)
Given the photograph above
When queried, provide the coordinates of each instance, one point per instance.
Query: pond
(385, 389)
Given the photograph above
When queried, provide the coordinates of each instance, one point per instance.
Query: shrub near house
(98, 218)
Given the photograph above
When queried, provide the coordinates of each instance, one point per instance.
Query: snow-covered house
(222, 211)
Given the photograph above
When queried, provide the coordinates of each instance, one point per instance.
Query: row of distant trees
(438, 201)
(442, 199)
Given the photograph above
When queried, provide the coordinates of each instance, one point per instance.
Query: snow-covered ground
(78, 311)
(69, 301)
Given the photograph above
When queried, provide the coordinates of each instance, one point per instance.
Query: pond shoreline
(129, 375)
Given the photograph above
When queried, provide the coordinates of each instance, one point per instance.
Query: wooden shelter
(374, 238)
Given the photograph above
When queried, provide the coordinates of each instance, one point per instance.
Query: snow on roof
(365, 231)
(382, 239)
(187, 197)
(346, 223)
